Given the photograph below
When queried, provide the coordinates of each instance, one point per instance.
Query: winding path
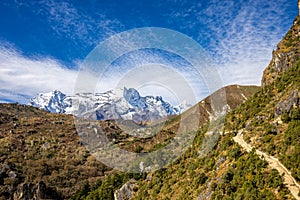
(274, 163)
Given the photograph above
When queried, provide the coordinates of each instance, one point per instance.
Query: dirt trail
(274, 163)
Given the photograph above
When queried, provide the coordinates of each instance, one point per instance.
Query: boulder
(126, 191)
(37, 191)
(288, 104)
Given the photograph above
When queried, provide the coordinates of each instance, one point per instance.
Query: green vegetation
(249, 178)
(228, 173)
(257, 115)
(225, 172)
(290, 150)
(104, 189)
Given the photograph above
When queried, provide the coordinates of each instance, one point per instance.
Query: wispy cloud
(22, 77)
(240, 35)
(69, 22)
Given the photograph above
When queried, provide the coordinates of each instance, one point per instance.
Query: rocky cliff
(286, 54)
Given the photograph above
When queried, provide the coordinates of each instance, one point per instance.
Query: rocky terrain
(41, 155)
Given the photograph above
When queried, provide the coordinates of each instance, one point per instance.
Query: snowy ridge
(123, 103)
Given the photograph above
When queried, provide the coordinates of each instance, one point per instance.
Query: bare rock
(285, 56)
(126, 191)
(37, 191)
(288, 104)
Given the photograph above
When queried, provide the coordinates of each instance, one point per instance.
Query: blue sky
(42, 43)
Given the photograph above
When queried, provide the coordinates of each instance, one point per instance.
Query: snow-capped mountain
(114, 104)
(54, 102)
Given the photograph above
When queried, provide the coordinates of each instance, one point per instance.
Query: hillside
(270, 122)
(235, 95)
(272, 117)
(43, 150)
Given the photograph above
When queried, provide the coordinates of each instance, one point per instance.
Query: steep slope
(271, 119)
(225, 173)
(285, 56)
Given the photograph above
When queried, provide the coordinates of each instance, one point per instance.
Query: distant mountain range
(126, 104)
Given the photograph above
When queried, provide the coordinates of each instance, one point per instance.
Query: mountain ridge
(125, 104)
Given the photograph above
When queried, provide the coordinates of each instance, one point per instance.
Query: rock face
(286, 54)
(38, 191)
(126, 191)
(126, 104)
(288, 104)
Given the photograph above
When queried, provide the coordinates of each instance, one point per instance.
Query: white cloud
(246, 41)
(241, 34)
(22, 77)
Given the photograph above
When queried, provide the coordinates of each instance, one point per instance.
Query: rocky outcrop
(286, 54)
(126, 191)
(288, 104)
(299, 6)
(37, 191)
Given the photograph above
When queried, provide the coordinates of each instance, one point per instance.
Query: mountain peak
(52, 101)
(126, 103)
(134, 98)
